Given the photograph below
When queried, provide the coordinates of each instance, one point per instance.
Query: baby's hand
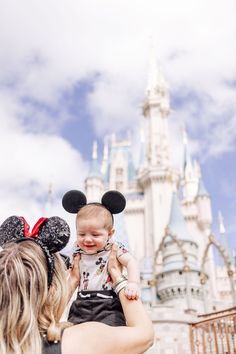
(132, 291)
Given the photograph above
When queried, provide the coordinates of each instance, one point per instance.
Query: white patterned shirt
(93, 268)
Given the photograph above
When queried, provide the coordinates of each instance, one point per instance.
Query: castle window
(119, 186)
(119, 173)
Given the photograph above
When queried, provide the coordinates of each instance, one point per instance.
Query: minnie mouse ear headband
(51, 234)
(74, 200)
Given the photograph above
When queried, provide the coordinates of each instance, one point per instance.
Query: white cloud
(46, 48)
(32, 161)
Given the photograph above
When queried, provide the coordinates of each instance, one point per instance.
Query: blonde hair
(96, 210)
(28, 309)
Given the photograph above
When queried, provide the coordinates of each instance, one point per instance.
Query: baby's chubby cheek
(78, 242)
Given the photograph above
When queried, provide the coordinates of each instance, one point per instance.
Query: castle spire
(95, 150)
(179, 274)
(105, 158)
(224, 240)
(201, 188)
(94, 166)
(156, 109)
(203, 203)
(177, 223)
(221, 223)
(94, 181)
(187, 163)
(190, 178)
(156, 81)
(142, 150)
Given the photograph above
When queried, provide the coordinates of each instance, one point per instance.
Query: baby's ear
(111, 233)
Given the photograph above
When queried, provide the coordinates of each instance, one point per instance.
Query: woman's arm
(135, 314)
(74, 276)
(94, 337)
(73, 282)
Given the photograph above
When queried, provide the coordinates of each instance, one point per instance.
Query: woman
(31, 306)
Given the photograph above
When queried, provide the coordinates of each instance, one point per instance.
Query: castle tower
(156, 178)
(156, 110)
(142, 158)
(203, 203)
(225, 281)
(170, 240)
(178, 283)
(94, 186)
(190, 175)
(120, 173)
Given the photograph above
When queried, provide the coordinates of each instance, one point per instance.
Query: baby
(96, 299)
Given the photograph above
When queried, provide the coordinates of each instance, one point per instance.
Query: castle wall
(157, 199)
(172, 331)
(134, 221)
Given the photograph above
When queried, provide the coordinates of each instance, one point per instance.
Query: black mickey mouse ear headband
(74, 200)
(51, 234)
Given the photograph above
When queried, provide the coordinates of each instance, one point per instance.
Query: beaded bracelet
(122, 284)
(122, 278)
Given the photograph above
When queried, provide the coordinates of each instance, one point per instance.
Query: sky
(75, 71)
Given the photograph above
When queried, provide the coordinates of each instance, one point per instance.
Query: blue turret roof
(126, 151)
(120, 227)
(142, 155)
(202, 189)
(177, 223)
(225, 245)
(178, 228)
(131, 168)
(224, 241)
(187, 159)
(94, 170)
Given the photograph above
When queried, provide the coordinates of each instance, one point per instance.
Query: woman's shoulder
(91, 337)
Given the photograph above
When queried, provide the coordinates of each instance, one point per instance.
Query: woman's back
(34, 293)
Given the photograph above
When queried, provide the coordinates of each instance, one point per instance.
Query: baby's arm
(132, 288)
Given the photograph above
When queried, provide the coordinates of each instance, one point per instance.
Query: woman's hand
(74, 274)
(114, 266)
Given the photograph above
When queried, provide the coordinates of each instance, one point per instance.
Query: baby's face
(92, 235)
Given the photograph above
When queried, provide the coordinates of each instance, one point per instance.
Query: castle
(167, 224)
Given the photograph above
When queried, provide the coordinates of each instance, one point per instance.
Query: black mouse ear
(11, 229)
(73, 200)
(54, 233)
(114, 201)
